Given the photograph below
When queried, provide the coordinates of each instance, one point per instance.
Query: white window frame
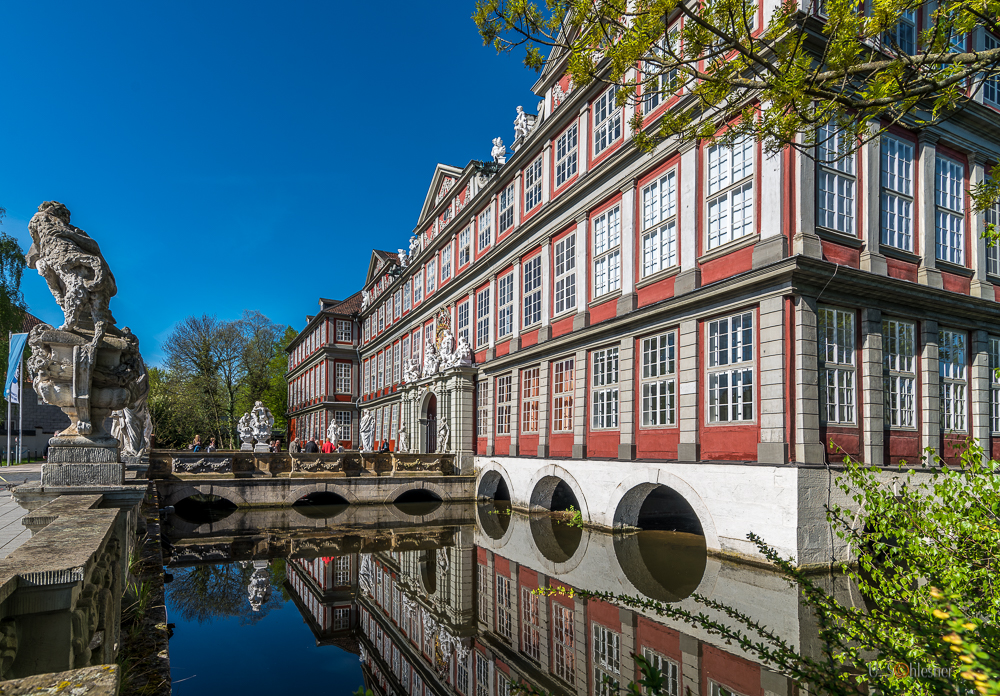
(992, 217)
(505, 305)
(991, 85)
(567, 154)
(483, 318)
(530, 384)
(484, 682)
(504, 404)
(406, 297)
(397, 354)
(658, 380)
(345, 333)
(994, 385)
(565, 274)
(485, 229)
(837, 361)
(380, 370)
(899, 352)
(659, 223)
(563, 394)
(418, 287)
(343, 372)
(604, 389)
(607, 239)
(949, 209)
(659, 85)
(531, 629)
(731, 364)
(731, 191)
(431, 275)
(462, 320)
(564, 642)
(953, 371)
(465, 246)
(482, 408)
(668, 669)
(505, 207)
(532, 185)
(531, 281)
(344, 422)
(504, 607)
(398, 303)
(903, 36)
(607, 121)
(607, 660)
(836, 181)
(446, 262)
(896, 202)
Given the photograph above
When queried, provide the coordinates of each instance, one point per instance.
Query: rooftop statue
(520, 124)
(499, 152)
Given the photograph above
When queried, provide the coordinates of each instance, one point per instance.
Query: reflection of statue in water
(259, 589)
(367, 427)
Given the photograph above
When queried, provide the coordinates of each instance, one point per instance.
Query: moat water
(429, 598)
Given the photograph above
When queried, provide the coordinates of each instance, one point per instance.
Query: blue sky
(240, 155)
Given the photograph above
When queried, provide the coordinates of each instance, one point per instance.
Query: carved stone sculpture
(402, 439)
(132, 425)
(443, 436)
(541, 114)
(499, 152)
(259, 589)
(447, 352)
(366, 299)
(404, 260)
(431, 358)
(462, 356)
(367, 428)
(245, 430)
(520, 124)
(414, 246)
(262, 423)
(411, 369)
(333, 432)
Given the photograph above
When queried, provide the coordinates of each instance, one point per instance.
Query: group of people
(313, 446)
(198, 447)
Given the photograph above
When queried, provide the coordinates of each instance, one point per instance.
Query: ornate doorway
(428, 423)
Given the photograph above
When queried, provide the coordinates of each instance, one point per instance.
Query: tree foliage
(776, 76)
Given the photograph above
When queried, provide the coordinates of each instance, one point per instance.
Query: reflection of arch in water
(667, 566)
(559, 547)
(554, 488)
(179, 493)
(494, 519)
(428, 571)
(200, 508)
(657, 499)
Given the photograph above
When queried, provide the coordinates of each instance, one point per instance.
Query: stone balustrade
(184, 464)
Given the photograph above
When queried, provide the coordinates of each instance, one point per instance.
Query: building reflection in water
(451, 608)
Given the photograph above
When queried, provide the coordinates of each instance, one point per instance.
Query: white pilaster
(927, 274)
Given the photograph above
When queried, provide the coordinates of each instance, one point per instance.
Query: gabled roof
(442, 172)
(349, 306)
(379, 260)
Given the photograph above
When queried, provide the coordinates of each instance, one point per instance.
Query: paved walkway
(12, 532)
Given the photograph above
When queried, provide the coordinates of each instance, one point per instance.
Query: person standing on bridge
(311, 446)
(293, 446)
(327, 447)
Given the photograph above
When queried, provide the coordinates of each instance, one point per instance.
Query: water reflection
(447, 606)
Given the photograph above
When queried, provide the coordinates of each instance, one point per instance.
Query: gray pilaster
(580, 411)
(626, 396)
(545, 329)
(690, 665)
(870, 222)
(805, 241)
(515, 337)
(582, 318)
(808, 447)
(773, 445)
(688, 449)
(515, 423)
(927, 274)
(583, 139)
(582, 630)
(690, 276)
(870, 369)
(489, 384)
(629, 300)
(980, 385)
(772, 246)
(981, 287)
(930, 383)
(544, 410)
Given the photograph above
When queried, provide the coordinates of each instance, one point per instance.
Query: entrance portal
(428, 423)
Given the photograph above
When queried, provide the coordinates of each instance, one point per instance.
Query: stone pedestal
(261, 447)
(246, 447)
(82, 474)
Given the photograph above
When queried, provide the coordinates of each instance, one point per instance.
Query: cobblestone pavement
(12, 533)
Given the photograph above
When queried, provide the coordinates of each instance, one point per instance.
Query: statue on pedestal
(499, 152)
(443, 436)
(367, 427)
(333, 433)
(402, 439)
(132, 425)
(262, 423)
(431, 358)
(245, 430)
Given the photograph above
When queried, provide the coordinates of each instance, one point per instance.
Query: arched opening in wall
(652, 506)
(321, 505)
(418, 502)
(552, 493)
(428, 423)
(202, 508)
(492, 486)
(428, 571)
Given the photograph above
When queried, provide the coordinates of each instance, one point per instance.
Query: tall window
(903, 36)
(465, 246)
(658, 85)
(730, 368)
(992, 216)
(659, 224)
(529, 400)
(394, 428)
(396, 362)
(658, 380)
(344, 334)
(607, 661)
(836, 353)
(949, 213)
(503, 405)
(532, 184)
(531, 629)
(897, 193)
(565, 267)
(607, 121)
(398, 303)
(368, 381)
(730, 190)
(562, 395)
(505, 218)
(446, 263)
(483, 592)
(462, 321)
(991, 85)
(485, 228)
(898, 351)
(343, 421)
(483, 318)
(343, 378)
(532, 291)
(418, 346)
(566, 155)
(406, 348)
(994, 385)
(835, 178)
(381, 317)
(482, 408)
(418, 287)
(607, 252)
(406, 297)
(484, 685)
(604, 389)
(505, 306)
(667, 668)
(462, 675)
(563, 643)
(431, 276)
(381, 370)
(951, 365)
(504, 607)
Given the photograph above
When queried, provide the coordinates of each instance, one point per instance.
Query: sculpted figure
(367, 431)
(131, 425)
(414, 246)
(520, 124)
(443, 436)
(541, 112)
(463, 353)
(411, 369)
(333, 433)
(447, 354)
(72, 265)
(245, 430)
(402, 439)
(366, 298)
(262, 422)
(431, 358)
(499, 152)
(404, 260)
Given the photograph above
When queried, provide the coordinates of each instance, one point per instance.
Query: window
(406, 348)
(835, 179)
(483, 318)
(607, 661)
(342, 564)
(607, 252)
(604, 389)
(343, 378)
(991, 86)
(465, 246)
(949, 214)
(462, 675)
(378, 425)
(431, 276)
(462, 314)
(504, 622)
(446, 263)
(836, 354)
(532, 291)
(388, 366)
(659, 84)
(482, 409)
(503, 405)
(417, 346)
(483, 590)
(658, 380)
(368, 382)
(607, 121)
(503, 685)
(406, 297)
(563, 643)
(565, 273)
(529, 400)
(398, 303)
(505, 217)
(903, 36)
(396, 363)
(485, 228)
(730, 369)
(994, 385)
(505, 306)
(344, 333)
(715, 689)
(659, 224)
(562, 392)
(951, 366)
(532, 186)
(566, 155)
(381, 318)
(418, 286)
(897, 193)
(730, 190)
(484, 686)
(531, 629)
(667, 668)
(394, 426)
(381, 370)
(898, 351)
(992, 216)
(343, 421)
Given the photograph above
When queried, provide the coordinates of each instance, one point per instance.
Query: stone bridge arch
(492, 480)
(627, 499)
(178, 493)
(543, 486)
(321, 487)
(416, 485)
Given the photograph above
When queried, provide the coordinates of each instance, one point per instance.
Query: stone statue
(411, 369)
(414, 246)
(131, 425)
(541, 113)
(520, 124)
(499, 152)
(462, 356)
(431, 358)
(366, 299)
(245, 430)
(259, 589)
(262, 423)
(402, 439)
(447, 353)
(404, 260)
(443, 435)
(333, 433)
(367, 427)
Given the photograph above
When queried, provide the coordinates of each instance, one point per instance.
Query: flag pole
(20, 408)
(8, 408)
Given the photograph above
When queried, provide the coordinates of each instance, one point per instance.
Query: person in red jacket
(327, 447)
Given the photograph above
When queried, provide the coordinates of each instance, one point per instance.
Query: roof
(29, 322)
(379, 261)
(437, 190)
(349, 306)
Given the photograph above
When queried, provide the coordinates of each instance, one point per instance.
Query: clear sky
(240, 155)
